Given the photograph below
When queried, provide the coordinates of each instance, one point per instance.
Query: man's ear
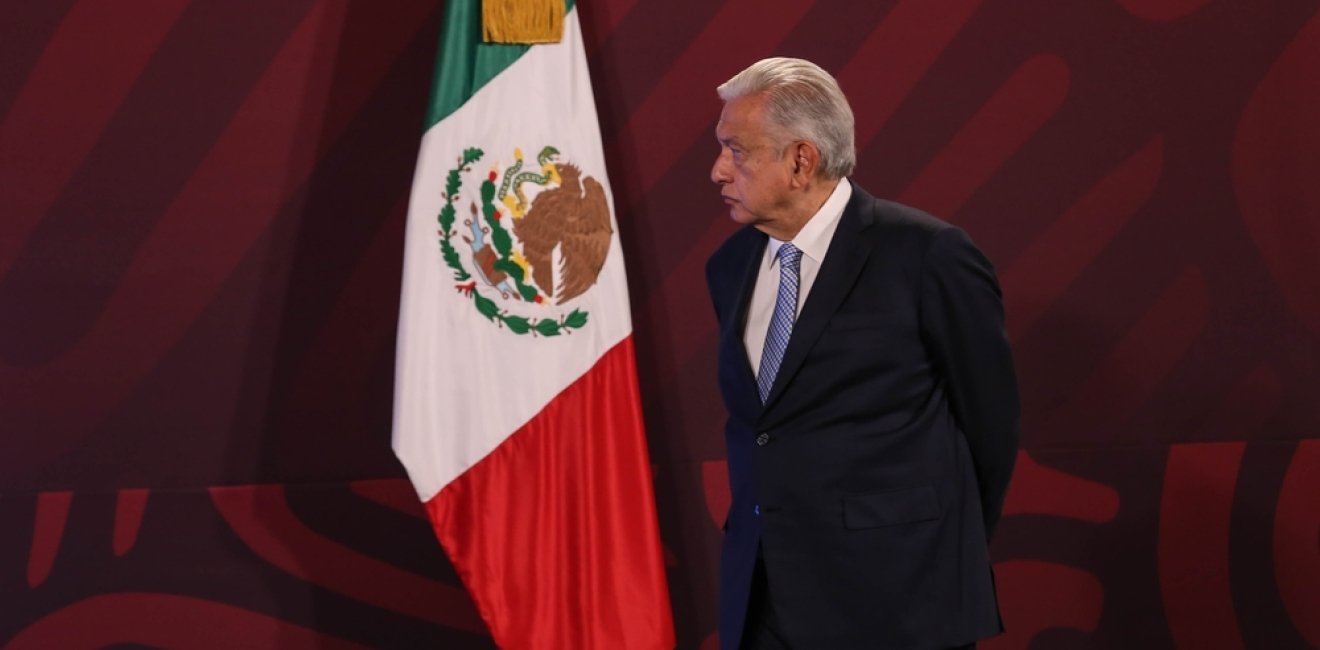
(806, 159)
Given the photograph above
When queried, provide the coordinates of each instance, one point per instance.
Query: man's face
(753, 175)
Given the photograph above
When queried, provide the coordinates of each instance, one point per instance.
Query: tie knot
(789, 255)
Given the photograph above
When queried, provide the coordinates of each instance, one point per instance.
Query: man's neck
(807, 205)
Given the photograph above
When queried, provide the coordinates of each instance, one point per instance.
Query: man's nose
(719, 172)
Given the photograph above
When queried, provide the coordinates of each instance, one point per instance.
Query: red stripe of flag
(559, 500)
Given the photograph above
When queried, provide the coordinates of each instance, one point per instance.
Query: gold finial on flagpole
(522, 21)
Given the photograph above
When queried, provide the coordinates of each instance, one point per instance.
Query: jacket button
(762, 439)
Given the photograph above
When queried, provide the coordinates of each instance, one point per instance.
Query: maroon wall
(201, 211)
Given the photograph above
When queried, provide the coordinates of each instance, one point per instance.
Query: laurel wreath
(503, 244)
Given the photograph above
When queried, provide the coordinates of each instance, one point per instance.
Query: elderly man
(873, 409)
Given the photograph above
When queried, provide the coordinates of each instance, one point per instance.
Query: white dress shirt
(814, 241)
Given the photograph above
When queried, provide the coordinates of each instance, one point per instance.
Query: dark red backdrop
(201, 208)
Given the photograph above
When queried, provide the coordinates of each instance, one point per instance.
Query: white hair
(804, 102)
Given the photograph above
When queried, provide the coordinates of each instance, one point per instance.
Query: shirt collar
(814, 238)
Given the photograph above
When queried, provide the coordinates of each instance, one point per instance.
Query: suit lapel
(844, 259)
(746, 266)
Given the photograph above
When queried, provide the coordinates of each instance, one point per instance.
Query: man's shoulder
(896, 223)
(917, 235)
(892, 215)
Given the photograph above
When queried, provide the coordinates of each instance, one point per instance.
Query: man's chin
(741, 216)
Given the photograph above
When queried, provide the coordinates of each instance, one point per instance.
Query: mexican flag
(516, 408)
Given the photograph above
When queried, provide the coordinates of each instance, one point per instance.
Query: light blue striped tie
(781, 323)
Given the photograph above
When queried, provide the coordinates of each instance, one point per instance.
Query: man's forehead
(725, 133)
(737, 121)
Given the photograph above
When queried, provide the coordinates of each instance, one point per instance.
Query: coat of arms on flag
(535, 240)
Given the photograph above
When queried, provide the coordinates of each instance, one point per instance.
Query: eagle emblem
(533, 239)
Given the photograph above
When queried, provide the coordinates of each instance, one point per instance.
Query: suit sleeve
(962, 319)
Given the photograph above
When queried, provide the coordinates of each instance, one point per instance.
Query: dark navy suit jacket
(871, 478)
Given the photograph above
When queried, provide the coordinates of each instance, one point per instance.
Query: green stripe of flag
(464, 63)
